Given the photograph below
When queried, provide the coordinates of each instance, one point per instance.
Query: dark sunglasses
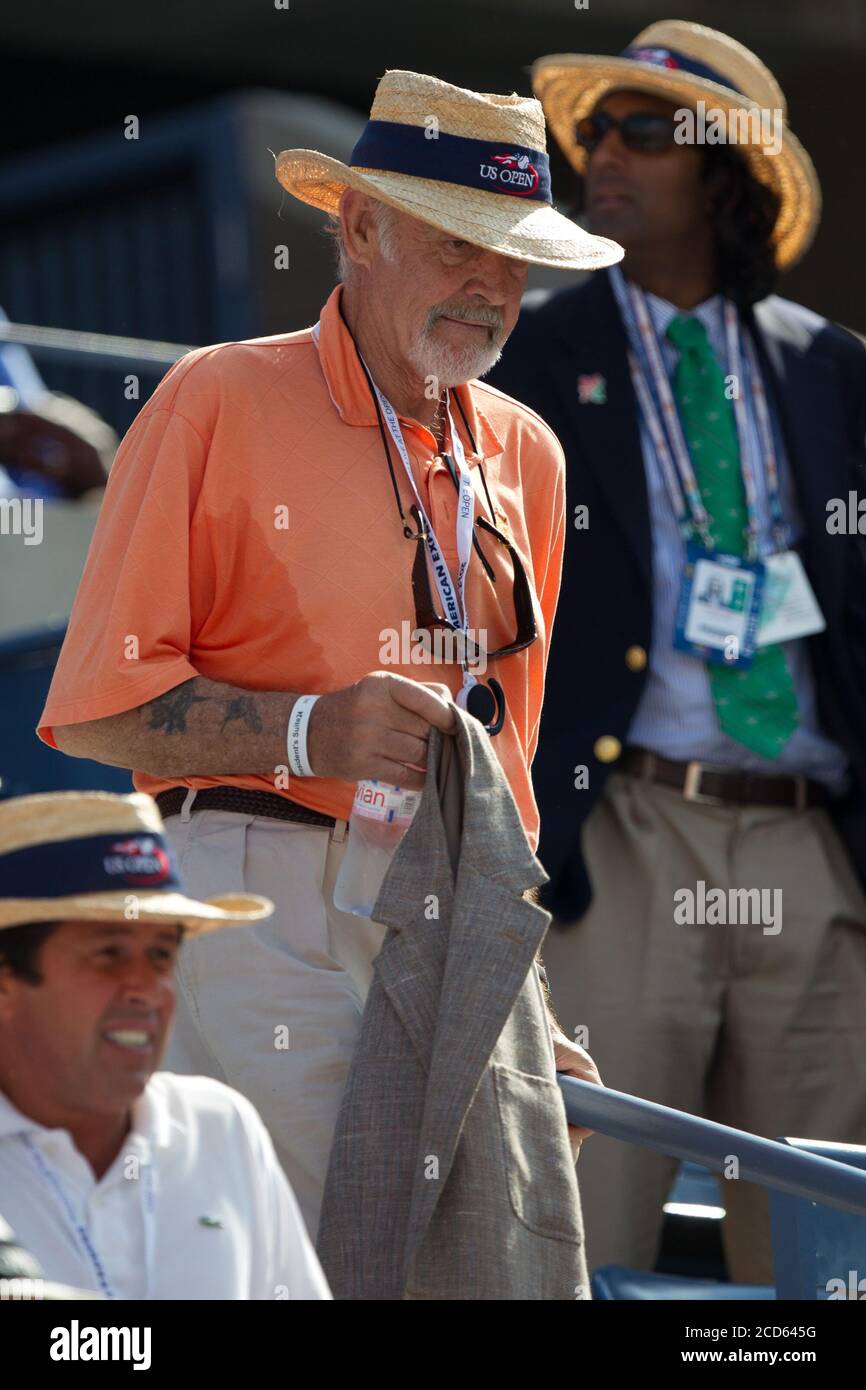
(426, 615)
(643, 132)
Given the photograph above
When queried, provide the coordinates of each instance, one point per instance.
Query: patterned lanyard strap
(739, 344)
(652, 384)
(148, 1192)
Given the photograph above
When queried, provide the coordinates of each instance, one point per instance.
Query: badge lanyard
(148, 1194)
(665, 430)
(734, 338)
(454, 606)
(453, 595)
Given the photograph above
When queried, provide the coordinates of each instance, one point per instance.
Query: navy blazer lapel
(808, 406)
(608, 435)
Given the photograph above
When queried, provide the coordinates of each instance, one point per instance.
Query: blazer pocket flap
(539, 1168)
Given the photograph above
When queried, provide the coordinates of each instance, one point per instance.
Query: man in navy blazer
(710, 934)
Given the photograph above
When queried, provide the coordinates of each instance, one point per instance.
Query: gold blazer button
(635, 659)
(607, 748)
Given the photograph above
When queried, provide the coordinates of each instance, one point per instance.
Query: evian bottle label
(381, 802)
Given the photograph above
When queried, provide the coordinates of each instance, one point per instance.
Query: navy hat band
(92, 864)
(675, 61)
(515, 170)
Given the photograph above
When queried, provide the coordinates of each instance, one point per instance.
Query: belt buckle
(692, 784)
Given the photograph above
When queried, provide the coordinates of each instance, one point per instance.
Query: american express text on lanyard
(453, 595)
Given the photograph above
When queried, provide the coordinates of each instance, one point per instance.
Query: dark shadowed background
(172, 236)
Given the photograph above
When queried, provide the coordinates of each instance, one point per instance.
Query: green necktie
(757, 706)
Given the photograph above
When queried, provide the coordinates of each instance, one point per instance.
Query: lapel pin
(212, 1222)
(592, 389)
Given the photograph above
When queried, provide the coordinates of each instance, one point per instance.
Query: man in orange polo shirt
(257, 544)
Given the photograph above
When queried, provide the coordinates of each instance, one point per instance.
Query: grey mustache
(489, 318)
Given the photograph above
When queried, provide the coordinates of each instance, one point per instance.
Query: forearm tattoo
(168, 712)
(243, 707)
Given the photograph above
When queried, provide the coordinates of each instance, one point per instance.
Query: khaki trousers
(274, 1009)
(759, 1031)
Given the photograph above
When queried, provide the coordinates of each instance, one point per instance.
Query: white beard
(453, 366)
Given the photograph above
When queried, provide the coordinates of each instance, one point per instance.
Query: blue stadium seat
(26, 763)
(819, 1252)
(614, 1282)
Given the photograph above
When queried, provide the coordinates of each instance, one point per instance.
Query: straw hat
(94, 856)
(685, 63)
(472, 164)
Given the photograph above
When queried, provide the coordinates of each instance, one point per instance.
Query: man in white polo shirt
(117, 1178)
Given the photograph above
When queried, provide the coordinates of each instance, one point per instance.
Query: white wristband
(299, 763)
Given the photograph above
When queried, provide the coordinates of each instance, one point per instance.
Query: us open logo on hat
(516, 174)
(141, 860)
(662, 57)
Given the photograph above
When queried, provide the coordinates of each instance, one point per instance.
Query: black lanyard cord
(407, 529)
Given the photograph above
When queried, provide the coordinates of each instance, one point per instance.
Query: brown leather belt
(244, 800)
(708, 782)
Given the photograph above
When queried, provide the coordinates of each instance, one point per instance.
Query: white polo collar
(152, 1125)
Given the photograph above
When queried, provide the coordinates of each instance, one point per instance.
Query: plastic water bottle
(381, 815)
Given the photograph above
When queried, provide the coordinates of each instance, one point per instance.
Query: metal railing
(93, 349)
(673, 1132)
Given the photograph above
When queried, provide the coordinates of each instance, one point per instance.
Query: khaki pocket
(211, 864)
(539, 1168)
